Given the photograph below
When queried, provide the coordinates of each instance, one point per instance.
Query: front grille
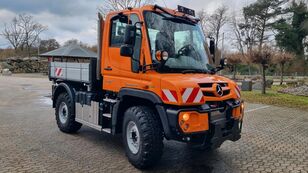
(206, 85)
(226, 92)
(208, 91)
(208, 94)
(210, 85)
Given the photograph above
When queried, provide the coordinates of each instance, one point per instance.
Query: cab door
(117, 70)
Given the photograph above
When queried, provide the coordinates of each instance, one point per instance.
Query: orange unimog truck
(152, 80)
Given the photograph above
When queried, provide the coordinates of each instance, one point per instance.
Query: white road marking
(252, 110)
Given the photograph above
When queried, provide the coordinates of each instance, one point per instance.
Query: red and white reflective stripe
(58, 71)
(169, 96)
(238, 91)
(192, 95)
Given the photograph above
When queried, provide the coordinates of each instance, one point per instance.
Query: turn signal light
(238, 112)
(242, 107)
(186, 116)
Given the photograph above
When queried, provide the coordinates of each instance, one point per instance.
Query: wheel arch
(133, 97)
(60, 88)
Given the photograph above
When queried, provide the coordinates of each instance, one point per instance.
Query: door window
(117, 32)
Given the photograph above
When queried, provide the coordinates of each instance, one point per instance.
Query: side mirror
(212, 46)
(127, 50)
(223, 62)
(130, 35)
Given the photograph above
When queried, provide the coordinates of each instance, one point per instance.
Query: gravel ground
(299, 91)
(274, 140)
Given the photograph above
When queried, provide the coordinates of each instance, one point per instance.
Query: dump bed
(80, 70)
(77, 72)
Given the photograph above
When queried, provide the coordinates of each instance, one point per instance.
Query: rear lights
(192, 122)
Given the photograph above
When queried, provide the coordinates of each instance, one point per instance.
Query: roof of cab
(155, 8)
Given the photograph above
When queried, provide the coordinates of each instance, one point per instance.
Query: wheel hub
(63, 113)
(132, 137)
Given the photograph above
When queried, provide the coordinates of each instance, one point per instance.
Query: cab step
(107, 130)
(107, 115)
(110, 100)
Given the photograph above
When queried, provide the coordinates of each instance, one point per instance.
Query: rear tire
(142, 137)
(65, 114)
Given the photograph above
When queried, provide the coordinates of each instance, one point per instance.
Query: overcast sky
(67, 19)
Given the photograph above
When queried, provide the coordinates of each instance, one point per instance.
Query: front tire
(65, 114)
(142, 136)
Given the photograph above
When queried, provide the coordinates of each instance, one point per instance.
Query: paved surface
(274, 140)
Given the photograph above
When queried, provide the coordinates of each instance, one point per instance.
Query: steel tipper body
(153, 78)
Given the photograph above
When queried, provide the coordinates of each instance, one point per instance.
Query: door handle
(108, 69)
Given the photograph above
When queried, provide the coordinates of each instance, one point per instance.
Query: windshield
(182, 39)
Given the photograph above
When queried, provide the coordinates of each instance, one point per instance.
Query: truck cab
(154, 78)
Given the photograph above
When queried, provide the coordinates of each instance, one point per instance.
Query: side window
(117, 32)
(152, 35)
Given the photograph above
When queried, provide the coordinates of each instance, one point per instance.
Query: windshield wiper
(194, 71)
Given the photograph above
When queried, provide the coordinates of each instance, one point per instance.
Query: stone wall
(25, 65)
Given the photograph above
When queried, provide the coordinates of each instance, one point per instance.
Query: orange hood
(196, 89)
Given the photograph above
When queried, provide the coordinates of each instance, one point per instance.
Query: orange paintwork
(192, 122)
(121, 75)
(238, 113)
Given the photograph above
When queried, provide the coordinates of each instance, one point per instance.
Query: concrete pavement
(274, 140)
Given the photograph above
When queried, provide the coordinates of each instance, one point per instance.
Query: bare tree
(31, 30)
(202, 15)
(282, 58)
(48, 45)
(216, 21)
(81, 44)
(72, 42)
(238, 34)
(13, 33)
(234, 59)
(263, 57)
(245, 35)
(117, 5)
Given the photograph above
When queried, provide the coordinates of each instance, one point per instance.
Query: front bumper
(222, 125)
(220, 135)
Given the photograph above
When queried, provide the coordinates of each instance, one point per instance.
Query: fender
(62, 87)
(149, 96)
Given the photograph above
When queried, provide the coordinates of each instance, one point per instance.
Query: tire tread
(151, 130)
(72, 126)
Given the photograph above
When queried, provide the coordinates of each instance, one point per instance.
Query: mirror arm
(217, 69)
(141, 23)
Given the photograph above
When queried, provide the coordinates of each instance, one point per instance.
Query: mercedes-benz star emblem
(219, 90)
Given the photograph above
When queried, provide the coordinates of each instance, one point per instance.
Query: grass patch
(274, 98)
